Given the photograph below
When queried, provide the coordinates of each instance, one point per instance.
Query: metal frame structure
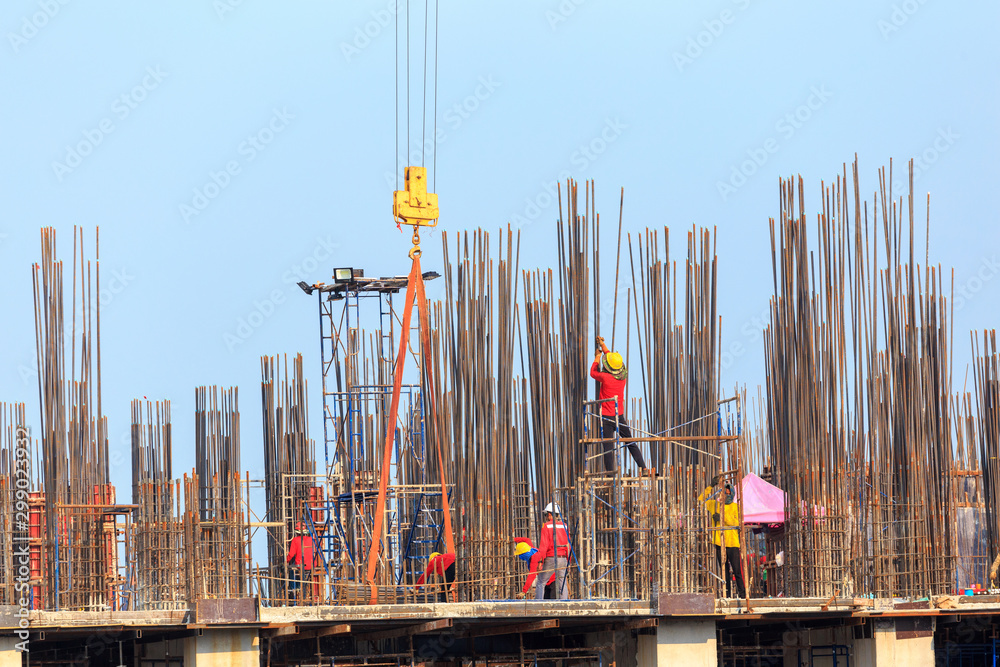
(355, 402)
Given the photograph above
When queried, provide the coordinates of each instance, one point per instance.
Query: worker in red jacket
(443, 565)
(300, 556)
(552, 556)
(609, 369)
(525, 550)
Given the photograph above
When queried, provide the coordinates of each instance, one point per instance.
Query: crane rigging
(417, 207)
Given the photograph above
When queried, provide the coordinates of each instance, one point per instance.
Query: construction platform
(674, 629)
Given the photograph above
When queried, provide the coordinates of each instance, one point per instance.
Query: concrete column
(901, 641)
(229, 647)
(686, 643)
(9, 655)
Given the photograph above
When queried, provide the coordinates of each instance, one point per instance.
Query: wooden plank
(408, 630)
(678, 438)
(634, 624)
(301, 634)
(920, 604)
(341, 629)
(685, 604)
(235, 610)
(913, 628)
(284, 632)
(512, 629)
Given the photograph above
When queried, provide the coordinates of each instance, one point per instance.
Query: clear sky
(281, 116)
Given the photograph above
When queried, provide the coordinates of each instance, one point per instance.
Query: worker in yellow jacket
(725, 524)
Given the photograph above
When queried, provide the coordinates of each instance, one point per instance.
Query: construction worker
(441, 565)
(552, 556)
(524, 550)
(300, 556)
(725, 526)
(609, 369)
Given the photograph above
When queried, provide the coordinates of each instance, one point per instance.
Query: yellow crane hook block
(414, 205)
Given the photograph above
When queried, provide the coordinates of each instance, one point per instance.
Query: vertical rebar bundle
(904, 418)
(804, 350)
(986, 439)
(20, 507)
(74, 432)
(289, 466)
(215, 518)
(877, 409)
(481, 428)
(159, 555)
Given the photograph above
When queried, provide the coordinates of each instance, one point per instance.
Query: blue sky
(288, 110)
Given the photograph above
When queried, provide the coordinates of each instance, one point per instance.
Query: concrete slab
(71, 619)
(471, 610)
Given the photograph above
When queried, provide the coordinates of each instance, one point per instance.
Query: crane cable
(424, 87)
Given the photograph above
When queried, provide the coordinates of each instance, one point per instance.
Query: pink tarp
(765, 503)
(762, 502)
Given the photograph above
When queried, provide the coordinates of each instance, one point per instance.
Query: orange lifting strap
(414, 291)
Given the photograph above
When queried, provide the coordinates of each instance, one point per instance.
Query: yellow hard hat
(613, 361)
(521, 548)
(434, 554)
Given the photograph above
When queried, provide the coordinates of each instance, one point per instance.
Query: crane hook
(415, 250)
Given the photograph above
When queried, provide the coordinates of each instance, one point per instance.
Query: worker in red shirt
(300, 556)
(552, 556)
(609, 369)
(443, 565)
(525, 550)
